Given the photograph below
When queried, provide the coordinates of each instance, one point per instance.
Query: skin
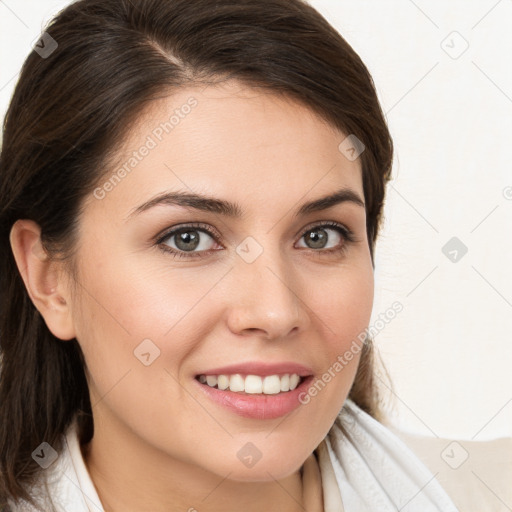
(159, 444)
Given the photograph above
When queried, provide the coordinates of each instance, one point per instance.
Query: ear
(44, 284)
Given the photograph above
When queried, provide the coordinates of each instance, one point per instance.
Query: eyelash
(346, 234)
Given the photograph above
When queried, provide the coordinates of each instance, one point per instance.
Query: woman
(190, 197)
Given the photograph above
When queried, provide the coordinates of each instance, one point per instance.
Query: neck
(130, 476)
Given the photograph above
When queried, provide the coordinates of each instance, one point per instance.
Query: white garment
(373, 471)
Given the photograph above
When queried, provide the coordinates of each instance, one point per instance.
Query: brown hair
(72, 109)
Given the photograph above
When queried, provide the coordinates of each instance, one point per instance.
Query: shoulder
(476, 474)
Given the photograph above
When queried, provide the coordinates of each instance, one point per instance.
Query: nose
(266, 298)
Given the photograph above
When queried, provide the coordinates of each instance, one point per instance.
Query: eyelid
(347, 232)
(187, 225)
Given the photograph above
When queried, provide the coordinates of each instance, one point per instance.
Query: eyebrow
(233, 210)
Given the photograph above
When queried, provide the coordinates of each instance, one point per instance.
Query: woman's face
(259, 282)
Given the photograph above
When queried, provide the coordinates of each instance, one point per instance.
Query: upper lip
(259, 368)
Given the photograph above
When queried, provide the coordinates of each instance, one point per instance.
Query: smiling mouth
(252, 384)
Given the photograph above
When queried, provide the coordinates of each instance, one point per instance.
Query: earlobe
(41, 278)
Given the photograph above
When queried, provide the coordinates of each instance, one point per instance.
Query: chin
(264, 470)
(267, 473)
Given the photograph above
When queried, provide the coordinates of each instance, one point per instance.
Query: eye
(318, 237)
(187, 239)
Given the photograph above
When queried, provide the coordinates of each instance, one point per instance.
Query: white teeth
(222, 382)
(211, 380)
(294, 380)
(271, 385)
(253, 384)
(236, 383)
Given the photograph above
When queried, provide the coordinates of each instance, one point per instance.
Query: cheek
(135, 336)
(139, 300)
(140, 321)
(343, 307)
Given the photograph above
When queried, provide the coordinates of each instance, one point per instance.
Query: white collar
(372, 470)
(375, 470)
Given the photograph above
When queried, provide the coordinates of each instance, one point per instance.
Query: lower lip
(257, 406)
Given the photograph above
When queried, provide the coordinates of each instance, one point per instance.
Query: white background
(449, 351)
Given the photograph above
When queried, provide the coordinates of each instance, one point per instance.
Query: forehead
(229, 140)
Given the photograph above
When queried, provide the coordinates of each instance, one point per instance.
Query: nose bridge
(267, 296)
